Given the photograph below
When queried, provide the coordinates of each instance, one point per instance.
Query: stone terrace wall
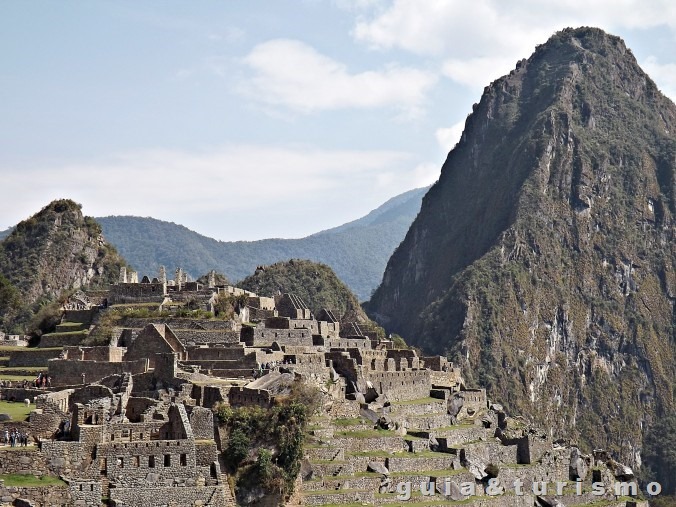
(207, 396)
(86, 492)
(402, 385)
(130, 462)
(66, 372)
(61, 339)
(241, 396)
(32, 357)
(23, 460)
(220, 353)
(263, 337)
(200, 336)
(212, 496)
(54, 496)
(202, 422)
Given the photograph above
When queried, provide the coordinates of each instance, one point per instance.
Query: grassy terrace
(345, 477)
(19, 480)
(70, 324)
(354, 421)
(10, 369)
(82, 332)
(16, 378)
(10, 348)
(17, 411)
(367, 434)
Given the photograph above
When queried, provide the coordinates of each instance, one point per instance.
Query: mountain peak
(542, 259)
(55, 250)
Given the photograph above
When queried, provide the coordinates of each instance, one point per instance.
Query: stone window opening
(167, 460)
(137, 461)
(184, 460)
(81, 487)
(91, 487)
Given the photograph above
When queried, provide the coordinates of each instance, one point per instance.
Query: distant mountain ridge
(357, 251)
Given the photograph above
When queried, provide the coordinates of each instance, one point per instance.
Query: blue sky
(253, 119)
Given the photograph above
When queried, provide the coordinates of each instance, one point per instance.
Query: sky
(252, 119)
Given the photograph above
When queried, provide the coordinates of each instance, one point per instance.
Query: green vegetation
(314, 283)
(265, 445)
(227, 305)
(42, 258)
(18, 411)
(20, 480)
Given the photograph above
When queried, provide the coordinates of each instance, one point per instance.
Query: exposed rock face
(543, 258)
(55, 250)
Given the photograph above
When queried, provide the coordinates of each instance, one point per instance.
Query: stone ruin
(133, 421)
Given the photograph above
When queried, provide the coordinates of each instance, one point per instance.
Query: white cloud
(665, 74)
(292, 74)
(426, 173)
(235, 192)
(483, 39)
(449, 137)
(477, 72)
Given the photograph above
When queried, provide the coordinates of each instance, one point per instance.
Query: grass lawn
(30, 480)
(10, 348)
(15, 378)
(18, 411)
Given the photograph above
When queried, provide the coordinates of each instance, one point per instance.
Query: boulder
(5, 417)
(578, 467)
(377, 467)
(386, 423)
(455, 404)
(385, 485)
(548, 501)
(477, 469)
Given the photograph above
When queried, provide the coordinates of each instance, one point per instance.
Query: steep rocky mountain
(357, 251)
(315, 283)
(543, 258)
(53, 251)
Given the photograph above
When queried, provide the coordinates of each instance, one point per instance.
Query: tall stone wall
(130, 463)
(66, 372)
(212, 496)
(54, 496)
(263, 337)
(401, 385)
(210, 336)
(122, 293)
(32, 357)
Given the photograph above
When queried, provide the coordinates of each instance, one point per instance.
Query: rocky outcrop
(543, 258)
(56, 250)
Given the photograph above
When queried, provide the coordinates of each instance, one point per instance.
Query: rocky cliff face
(55, 250)
(543, 258)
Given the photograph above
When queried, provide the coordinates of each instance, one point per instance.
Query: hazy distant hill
(356, 251)
(5, 233)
